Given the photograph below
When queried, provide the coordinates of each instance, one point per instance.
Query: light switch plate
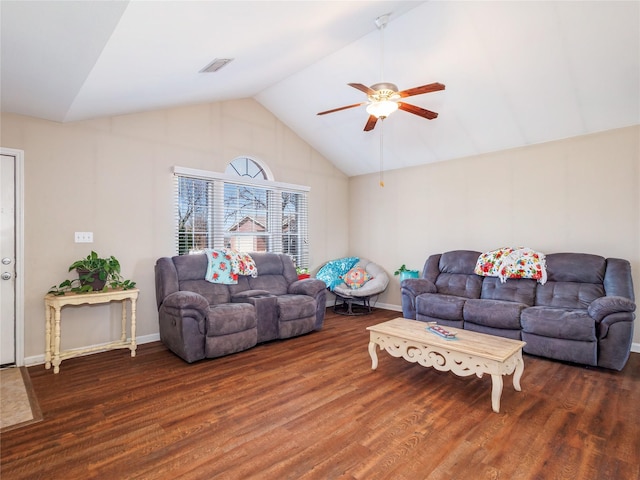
(84, 237)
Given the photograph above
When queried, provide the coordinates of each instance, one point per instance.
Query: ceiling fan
(383, 98)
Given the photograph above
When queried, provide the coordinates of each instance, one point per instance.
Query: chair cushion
(570, 324)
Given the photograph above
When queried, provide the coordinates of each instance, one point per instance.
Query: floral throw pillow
(356, 277)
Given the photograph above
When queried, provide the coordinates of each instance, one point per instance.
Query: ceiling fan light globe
(382, 109)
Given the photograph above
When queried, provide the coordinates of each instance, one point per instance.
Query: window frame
(215, 207)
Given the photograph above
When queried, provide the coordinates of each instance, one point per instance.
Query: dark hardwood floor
(312, 408)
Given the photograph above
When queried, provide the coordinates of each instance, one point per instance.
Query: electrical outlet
(84, 237)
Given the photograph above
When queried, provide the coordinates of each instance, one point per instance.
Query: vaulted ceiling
(516, 73)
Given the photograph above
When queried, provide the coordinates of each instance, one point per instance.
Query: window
(240, 209)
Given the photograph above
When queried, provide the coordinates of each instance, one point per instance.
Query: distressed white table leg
(517, 374)
(373, 355)
(56, 340)
(123, 322)
(496, 392)
(47, 337)
(133, 326)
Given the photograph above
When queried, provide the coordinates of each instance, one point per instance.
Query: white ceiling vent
(216, 65)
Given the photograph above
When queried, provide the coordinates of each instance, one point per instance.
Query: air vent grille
(216, 65)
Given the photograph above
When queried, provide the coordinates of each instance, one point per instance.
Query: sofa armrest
(417, 286)
(604, 306)
(187, 300)
(182, 323)
(307, 286)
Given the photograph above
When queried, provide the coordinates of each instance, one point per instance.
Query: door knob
(6, 276)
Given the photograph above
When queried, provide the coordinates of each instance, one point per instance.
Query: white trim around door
(19, 228)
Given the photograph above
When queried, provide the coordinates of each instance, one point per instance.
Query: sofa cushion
(461, 285)
(274, 284)
(458, 261)
(520, 291)
(214, 293)
(230, 318)
(291, 307)
(568, 294)
(576, 267)
(498, 332)
(493, 313)
(563, 349)
(293, 328)
(436, 305)
(570, 324)
(232, 343)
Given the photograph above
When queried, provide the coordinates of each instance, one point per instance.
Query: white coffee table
(470, 353)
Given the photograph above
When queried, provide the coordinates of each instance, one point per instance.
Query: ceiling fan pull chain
(381, 150)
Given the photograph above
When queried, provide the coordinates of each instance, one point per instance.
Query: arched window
(248, 167)
(244, 209)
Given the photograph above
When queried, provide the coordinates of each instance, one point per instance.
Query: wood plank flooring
(312, 408)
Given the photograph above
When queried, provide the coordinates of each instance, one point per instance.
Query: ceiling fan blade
(363, 88)
(341, 108)
(371, 123)
(432, 87)
(428, 114)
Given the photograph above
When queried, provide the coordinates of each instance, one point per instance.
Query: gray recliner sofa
(582, 314)
(199, 319)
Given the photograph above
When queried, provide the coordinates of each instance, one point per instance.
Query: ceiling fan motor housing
(384, 91)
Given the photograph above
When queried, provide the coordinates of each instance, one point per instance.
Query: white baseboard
(39, 359)
(635, 347)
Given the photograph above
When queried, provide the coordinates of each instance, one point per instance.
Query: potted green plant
(94, 274)
(405, 273)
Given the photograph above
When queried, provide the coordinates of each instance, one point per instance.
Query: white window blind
(217, 210)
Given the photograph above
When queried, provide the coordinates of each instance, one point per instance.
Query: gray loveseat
(582, 314)
(199, 319)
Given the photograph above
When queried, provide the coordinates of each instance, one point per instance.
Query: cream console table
(470, 353)
(53, 305)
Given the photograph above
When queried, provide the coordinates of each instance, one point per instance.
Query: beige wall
(576, 195)
(112, 176)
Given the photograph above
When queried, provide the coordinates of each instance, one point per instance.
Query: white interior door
(7, 260)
